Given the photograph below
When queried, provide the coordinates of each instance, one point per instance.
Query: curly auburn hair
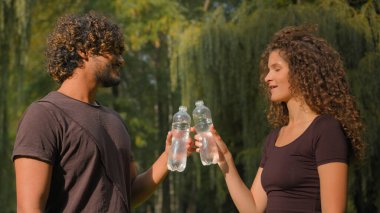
(317, 74)
(88, 33)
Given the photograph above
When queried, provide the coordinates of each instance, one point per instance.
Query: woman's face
(278, 78)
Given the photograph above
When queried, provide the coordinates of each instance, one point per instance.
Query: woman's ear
(83, 55)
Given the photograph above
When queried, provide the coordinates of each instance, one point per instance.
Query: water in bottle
(202, 121)
(180, 133)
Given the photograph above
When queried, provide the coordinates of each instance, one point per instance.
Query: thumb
(218, 140)
(215, 133)
(168, 138)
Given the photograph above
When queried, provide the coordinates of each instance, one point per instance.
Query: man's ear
(83, 55)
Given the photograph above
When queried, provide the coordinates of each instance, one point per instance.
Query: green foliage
(144, 21)
(14, 38)
(365, 86)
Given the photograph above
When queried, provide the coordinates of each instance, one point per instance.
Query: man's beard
(109, 77)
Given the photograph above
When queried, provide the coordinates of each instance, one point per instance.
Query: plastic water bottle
(202, 121)
(180, 133)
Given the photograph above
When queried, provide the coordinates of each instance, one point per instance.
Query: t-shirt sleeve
(130, 153)
(331, 144)
(37, 135)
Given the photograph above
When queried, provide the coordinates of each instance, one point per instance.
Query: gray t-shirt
(290, 173)
(89, 149)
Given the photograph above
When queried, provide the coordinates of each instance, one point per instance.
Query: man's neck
(78, 90)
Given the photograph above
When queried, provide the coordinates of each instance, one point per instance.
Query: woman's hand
(224, 152)
(189, 144)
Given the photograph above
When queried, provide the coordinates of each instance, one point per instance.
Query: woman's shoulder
(327, 123)
(273, 133)
(330, 143)
(326, 120)
(272, 136)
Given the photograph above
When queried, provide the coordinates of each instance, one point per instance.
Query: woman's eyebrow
(274, 65)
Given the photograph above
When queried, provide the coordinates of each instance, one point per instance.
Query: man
(72, 154)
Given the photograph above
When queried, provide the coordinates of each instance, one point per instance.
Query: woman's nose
(267, 77)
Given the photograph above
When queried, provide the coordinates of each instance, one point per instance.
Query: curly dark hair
(88, 33)
(317, 74)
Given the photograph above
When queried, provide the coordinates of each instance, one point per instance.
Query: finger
(169, 138)
(213, 130)
(190, 150)
(190, 147)
(190, 144)
(215, 133)
(212, 127)
(198, 137)
(189, 140)
(198, 144)
(218, 140)
(192, 129)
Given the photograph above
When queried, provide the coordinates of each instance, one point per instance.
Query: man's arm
(32, 184)
(146, 183)
(143, 185)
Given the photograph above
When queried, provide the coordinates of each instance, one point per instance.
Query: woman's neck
(299, 112)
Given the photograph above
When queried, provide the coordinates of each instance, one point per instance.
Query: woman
(317, 127)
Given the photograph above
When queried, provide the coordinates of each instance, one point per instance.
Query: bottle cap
(183, 108)
(199, 103)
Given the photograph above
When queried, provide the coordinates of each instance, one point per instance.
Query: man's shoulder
(51, 97)
(110, 112)
(40, 108)
(37, 112)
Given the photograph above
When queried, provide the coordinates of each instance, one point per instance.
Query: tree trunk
(206, 5)
(163, 105)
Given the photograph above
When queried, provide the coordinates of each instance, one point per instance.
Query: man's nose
(121, 60)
